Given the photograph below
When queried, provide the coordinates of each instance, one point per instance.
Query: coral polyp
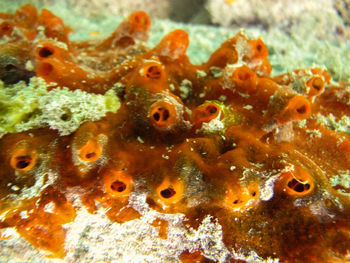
(246, 163)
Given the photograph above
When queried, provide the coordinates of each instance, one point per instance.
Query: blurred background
(266, 13)
(298, 33)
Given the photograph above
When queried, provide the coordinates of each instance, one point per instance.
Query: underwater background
(297, 33)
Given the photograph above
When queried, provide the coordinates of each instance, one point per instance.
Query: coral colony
(255, 152)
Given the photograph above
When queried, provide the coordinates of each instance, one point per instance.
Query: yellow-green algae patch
(225, 119)
(30, 106)
(341, 180)
(339, 125)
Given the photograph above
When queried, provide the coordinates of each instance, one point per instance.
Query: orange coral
(297, 182)
(223, 138)
(170, 192)
(163, 114)
(241, 198)
(205, 113)
(118, 183)
(23, 159)
(245, 79)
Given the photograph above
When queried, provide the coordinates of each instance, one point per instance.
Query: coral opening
(244, 79)
(154, 72)
(298, 186)
(118, 186)
(90, 152)
(118, 183)
(316, 85)
(242, 198)
(298, 108)
(206, 113)
(22, 160)
(163, 114)
(297, 182)
(45, 52)
(261, 49)
(302, 109)
(212, 109)
(168, 192)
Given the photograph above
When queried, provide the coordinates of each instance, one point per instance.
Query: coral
(219, 161)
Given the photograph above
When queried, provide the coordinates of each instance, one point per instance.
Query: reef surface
(111, 150)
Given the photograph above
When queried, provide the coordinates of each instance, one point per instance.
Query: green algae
(24, 107)
(342, 180)
(339, 125)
